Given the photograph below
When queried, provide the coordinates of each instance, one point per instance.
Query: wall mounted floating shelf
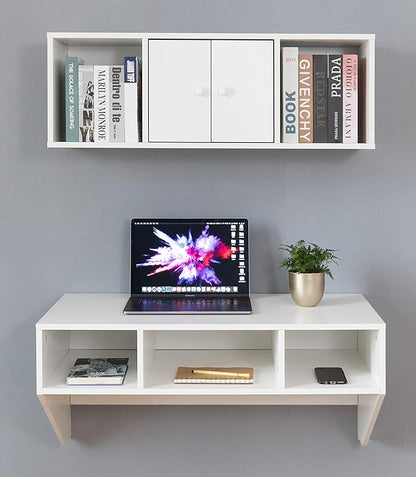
(198, 91)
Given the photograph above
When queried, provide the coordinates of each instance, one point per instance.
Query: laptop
(189, 266)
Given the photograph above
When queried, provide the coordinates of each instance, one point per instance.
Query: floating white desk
(280, 340)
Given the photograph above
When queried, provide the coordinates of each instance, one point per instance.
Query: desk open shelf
(281, 341)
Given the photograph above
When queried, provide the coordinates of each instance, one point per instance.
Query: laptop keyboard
(190, 304)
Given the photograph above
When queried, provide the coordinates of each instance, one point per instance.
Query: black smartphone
(330, 376)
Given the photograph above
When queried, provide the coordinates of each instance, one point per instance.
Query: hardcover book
(131, 127)
(350, 98)
(71, 98)
(320, 98)
(102, 103)
(335, 99)
(98, 371)
(86, 103)
(305, 97)
(117, 103)
(290, 94)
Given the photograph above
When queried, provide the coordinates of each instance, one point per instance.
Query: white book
(102, 103)
(289, 100)
(131, 127)
(117, 103)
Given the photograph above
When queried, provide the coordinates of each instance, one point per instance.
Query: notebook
(198, 375)
(189, 266)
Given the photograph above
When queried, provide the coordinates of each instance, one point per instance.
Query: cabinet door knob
(198, 91)
(221, 91)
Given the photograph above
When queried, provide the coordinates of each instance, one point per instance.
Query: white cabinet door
(179, 91)
(242, 91)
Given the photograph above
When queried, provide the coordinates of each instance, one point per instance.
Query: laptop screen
(189, 256)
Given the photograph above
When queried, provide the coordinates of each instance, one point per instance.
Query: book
(305, 98)
(350, 99)
(86, 103)
(116, 103)
(207, 375)
(104, 371)
(139, 99)
(131, 127)
(335, 104)
(102, 103)
(320, 98)
(290, 94)
(71, 98)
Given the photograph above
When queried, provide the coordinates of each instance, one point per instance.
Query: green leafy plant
(306, 257)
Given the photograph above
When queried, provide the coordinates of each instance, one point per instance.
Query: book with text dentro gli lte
(102, 371)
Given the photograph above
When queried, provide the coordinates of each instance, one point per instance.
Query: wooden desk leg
(367, 411)
(58, 409)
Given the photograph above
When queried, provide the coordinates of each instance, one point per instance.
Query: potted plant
(307, 265)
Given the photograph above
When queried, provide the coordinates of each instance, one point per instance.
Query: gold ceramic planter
(307, 289)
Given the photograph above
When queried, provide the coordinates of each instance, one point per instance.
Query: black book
(335, 98)
(320, 83)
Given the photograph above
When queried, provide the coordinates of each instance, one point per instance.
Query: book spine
(86, 103)
(71, 92)
(305, 98)
(139, 98)
(130, 99)
(102, 103)
(350, 98)
(320, 73)
(116, 103)
(290, 94)
(335, 105)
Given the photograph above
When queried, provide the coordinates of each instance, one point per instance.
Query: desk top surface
(270, 312)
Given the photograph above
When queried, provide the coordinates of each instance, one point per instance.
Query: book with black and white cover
(104, 371)
(117, 103)
(102, 103)
(290, 94)
(131, 127)
(335, 98)
(320, 100)
(86, 103)
(71, 98)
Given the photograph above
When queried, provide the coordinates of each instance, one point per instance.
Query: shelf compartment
(58, 351)
(359, 352)
(165, 351)
(364, 47)
(94, 49)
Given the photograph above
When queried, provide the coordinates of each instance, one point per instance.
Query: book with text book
(290, 94)
(208, 375)
(103, 371)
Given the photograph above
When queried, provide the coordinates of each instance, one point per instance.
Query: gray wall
(64, 228)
